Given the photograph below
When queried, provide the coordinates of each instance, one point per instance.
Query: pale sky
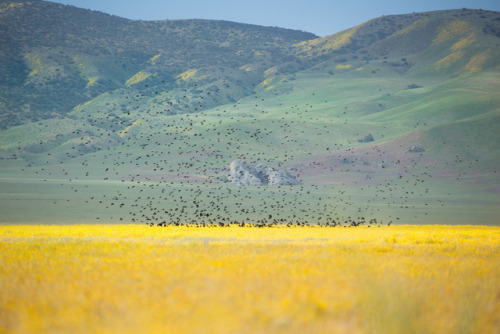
(321, 17)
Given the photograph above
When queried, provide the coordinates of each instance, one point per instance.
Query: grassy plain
(310, 125)
(135, 278)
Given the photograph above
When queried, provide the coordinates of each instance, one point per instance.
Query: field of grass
(312, 130)
(58, 201)
(136, 278)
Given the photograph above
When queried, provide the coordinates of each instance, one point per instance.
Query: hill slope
(55, 57)
(397, 118)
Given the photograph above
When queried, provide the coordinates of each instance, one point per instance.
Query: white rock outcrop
(244, 174)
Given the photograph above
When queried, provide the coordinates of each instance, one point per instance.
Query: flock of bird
(170, 169)
(361, 221)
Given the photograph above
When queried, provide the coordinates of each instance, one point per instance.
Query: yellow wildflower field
(141, 279)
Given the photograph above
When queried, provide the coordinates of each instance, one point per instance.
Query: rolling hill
(75, 55)
(108, 119)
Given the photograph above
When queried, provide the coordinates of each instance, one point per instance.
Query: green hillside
(55, 57)
(107, 119)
